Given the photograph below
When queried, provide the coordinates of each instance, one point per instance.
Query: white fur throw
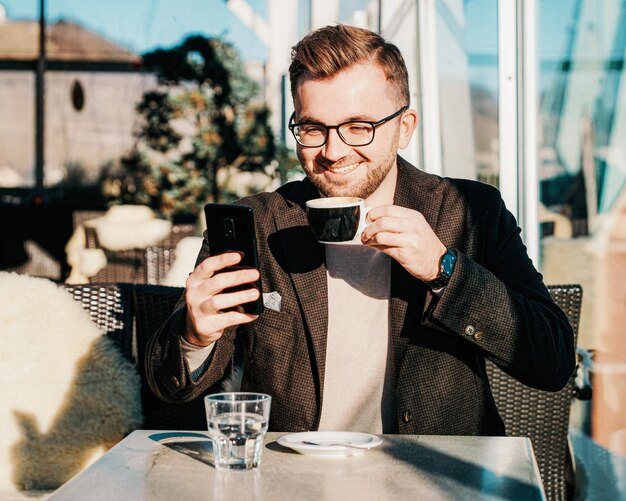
(66, 392)
(126, 227)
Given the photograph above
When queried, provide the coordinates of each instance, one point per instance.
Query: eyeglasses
(353, 133)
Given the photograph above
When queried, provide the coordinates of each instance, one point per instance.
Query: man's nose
(335, 148)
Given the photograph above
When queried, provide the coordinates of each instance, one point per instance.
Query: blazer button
(478, 335)
(406, 416)
(469, 330)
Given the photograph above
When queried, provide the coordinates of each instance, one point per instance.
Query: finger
(220, 321)
(387, 239)
(230, 300)
(390, 224)
(390, 211)
(208, 267)
(228, 279)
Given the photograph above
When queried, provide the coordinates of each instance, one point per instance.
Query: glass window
(99, 46)
(583, 107)
(17, 128)
(467, 55)
(18, 49)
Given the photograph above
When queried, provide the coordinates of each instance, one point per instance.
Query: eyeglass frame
(327, 128)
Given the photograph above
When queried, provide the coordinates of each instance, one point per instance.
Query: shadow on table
(194, 445)
(483, 480)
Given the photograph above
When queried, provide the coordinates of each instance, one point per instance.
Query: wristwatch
(446, 267)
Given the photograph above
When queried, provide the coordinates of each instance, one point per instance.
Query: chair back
(159, 258)
(153, 304)
(540, 415)
(110, 307)
(158, 262)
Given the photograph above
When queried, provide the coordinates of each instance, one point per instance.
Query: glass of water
(237, 425)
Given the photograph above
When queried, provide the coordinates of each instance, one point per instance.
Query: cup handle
(362, 221)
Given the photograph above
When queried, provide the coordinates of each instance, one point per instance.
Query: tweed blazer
(495, 306)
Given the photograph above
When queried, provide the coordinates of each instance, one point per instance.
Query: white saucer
(296, 441)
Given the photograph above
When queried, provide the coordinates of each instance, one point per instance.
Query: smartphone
(231, 228)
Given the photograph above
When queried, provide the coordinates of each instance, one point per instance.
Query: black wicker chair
(159, 258)
(110, 307)
(158, 262)
(542, 416)
(131, 313)
(152, 305)
(132, 265)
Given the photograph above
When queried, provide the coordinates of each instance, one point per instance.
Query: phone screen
(231, 228)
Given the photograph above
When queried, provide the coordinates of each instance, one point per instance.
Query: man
(390, 332)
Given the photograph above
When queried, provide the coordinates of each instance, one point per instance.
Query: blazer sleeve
(166, 369)
(497, 300)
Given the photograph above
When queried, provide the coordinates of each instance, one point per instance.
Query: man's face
(360, 92)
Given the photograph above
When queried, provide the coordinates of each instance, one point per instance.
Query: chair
(109, 306)
(136, 265)
(80, 217)
(158, 262)
(130, 314)
(542, 416)
(153, 304)
(159, 258)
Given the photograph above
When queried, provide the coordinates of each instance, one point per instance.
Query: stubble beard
(375, 176)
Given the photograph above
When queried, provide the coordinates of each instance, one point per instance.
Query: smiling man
(388, 333)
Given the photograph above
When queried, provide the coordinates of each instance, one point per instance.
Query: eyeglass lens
(352, 133)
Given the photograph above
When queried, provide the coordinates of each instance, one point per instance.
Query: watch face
(447, 263)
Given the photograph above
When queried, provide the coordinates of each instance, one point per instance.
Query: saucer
(329, 442)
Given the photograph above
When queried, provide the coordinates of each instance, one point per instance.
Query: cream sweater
(358, 392)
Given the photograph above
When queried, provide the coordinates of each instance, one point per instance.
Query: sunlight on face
(360, 92)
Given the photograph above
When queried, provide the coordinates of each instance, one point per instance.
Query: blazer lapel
(305, 258)
(414, 190)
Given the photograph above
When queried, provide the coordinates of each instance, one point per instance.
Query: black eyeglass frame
(327, 128)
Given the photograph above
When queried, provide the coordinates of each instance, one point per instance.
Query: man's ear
(408, 123)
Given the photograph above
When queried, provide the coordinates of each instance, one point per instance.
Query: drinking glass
(237, 425)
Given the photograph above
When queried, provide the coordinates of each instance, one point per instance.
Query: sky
(142, 25)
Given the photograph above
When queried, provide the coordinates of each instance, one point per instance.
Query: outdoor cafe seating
(123, 256)
(130, 313)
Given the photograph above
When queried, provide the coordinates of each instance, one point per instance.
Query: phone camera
(229, 228)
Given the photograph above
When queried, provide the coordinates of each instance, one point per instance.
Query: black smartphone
(231, 228)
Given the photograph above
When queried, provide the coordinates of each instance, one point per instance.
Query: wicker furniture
(152, 306)
(542, 416)
(160, 258)
(127, 265)
(110, 307)
(158, 262)
(132, 313)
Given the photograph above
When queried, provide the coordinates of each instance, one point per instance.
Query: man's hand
(210, 310)
(405, 235)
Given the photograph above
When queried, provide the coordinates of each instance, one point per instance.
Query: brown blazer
(495, 307)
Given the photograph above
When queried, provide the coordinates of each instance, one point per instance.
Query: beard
(376, 173)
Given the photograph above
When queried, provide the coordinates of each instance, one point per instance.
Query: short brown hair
(325, 52)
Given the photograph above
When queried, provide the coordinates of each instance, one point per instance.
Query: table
(166, 465)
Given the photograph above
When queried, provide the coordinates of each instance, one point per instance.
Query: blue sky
(142, 25)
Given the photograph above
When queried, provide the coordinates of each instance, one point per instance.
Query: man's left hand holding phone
(211, 306)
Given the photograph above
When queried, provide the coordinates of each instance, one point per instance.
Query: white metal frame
(429, 86)
(517, 107)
